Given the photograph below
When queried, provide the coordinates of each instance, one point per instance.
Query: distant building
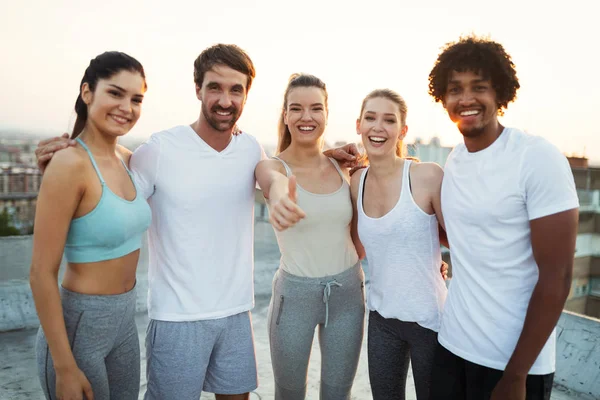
(18, 194)
(585, 289)
(578, 162)
(9, 155)
(430, 152)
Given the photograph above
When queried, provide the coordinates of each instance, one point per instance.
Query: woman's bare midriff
(109, 277)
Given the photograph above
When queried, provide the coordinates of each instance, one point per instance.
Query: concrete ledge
(17, 309)
(578, 354)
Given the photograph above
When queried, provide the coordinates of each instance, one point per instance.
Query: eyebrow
(375, 112)
(217, 84)
(312, 105)
(123, 90)
(457, 82)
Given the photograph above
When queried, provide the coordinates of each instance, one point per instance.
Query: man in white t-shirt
(511, 213)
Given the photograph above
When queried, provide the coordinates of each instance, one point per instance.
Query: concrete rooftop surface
(19, 381)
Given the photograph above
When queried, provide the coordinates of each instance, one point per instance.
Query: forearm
(46, 296)
(360, 249)
(443, 237)
(543, 312)
(278, 188)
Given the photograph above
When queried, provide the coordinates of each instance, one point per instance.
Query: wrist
(514, 373)
(65, 366)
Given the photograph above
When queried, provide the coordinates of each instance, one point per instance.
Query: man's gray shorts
(185, 358)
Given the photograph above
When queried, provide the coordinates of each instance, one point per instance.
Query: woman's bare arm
(60, 193)
(354, 183)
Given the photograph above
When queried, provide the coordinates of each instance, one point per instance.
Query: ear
(358, 126)
(86, 93)
(403, 132)
(285, 121)
(198, 92)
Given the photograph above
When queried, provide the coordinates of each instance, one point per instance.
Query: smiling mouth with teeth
(469, 113)
(306, 128)
(377, 139)
(120, 119)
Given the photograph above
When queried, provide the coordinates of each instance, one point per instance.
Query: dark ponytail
(81, 111)
(102, 67)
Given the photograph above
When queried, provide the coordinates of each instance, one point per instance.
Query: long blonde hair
(296, 80)
(399, 101)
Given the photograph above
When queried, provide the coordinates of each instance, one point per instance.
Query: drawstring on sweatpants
(326, 295)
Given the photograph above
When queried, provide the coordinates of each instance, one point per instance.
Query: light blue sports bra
(112, 229)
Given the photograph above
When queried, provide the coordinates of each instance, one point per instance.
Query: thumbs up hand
(285, 212)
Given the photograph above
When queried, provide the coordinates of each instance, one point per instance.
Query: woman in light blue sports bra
(89, 209)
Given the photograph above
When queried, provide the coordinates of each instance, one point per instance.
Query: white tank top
(320, 244)
(404, 258)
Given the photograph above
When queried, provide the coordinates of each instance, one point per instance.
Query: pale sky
(353, 46)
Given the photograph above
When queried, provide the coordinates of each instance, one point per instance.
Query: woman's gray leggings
(391, 343)
(336, 304)
(104, 341)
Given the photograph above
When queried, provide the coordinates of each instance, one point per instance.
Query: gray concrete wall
(17, 309)
(578, 354)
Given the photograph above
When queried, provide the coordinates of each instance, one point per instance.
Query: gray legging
(390, 344)
(104, 340)
(334, 303)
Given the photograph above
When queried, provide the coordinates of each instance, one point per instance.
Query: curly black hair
(472, 53)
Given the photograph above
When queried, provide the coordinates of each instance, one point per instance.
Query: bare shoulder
(67, 165)
(355, 181)
(428, 172)
(270, 165)
(345, 171)
(125, 153)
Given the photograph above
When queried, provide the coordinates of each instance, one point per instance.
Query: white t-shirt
(201, 236)
(488, 200)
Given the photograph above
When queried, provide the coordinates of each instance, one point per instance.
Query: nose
(225, 100)
(378, 125)
(125, 106)
(466, 98)
(306, 115)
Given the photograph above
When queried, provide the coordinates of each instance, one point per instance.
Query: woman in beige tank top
(320, 282)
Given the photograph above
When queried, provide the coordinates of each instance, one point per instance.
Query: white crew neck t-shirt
(202, 231)
(488, 200)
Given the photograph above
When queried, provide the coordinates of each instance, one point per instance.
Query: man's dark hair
(479, 55)
(229, 55)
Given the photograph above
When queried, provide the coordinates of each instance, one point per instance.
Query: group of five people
(505, 204)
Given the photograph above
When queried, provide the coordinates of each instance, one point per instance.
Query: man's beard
(472, 132)
(220, 125)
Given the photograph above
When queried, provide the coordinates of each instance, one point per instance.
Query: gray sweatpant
(104, 341)
(336, 304)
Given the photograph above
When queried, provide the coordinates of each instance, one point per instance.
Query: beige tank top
(320, 244)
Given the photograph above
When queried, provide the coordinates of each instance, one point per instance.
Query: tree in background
(5, 228)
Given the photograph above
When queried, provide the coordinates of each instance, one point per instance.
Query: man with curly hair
(511, 212)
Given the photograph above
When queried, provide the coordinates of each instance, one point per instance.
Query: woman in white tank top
(320, 282)
(398, 207)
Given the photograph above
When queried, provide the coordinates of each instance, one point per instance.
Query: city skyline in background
(354, 49)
